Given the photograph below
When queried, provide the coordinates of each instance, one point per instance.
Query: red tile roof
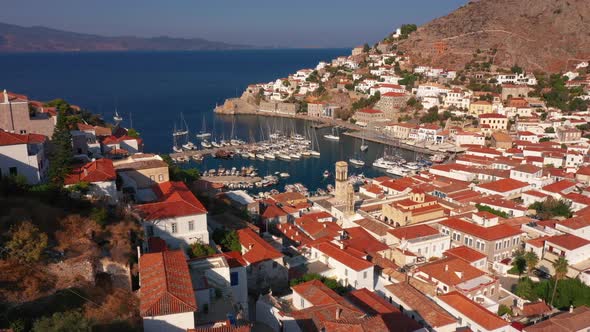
(465, 253)
(444, 271)
(503, 185)
(559, 186)
(343, 256)
(370, 111)
(166, 286)
(273, 211)
(317, 229)
(370, 302)
(413, 232)
(492, 233)
(568, 241)
(114, 139)
(317, 293)
(255, 248)
(358, 238)
(7, 138)
(100, 170)
(575, 223)
(174, 200)
(473, 311)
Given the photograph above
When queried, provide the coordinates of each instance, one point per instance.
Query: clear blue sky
(298, 23)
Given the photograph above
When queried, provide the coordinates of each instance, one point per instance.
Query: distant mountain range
(546, 35)
(14, 38)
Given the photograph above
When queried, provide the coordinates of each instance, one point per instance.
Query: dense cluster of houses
(424, 252)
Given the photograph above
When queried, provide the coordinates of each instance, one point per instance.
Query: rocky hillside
(546, 35)
(15, 38)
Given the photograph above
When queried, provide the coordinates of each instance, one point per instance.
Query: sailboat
(315, 146)
(175, 136)
(364, 146)
(203, 133)
(188, 145)
(356, 162)
(117, 117)
(332, 136)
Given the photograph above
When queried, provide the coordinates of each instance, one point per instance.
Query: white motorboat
(326, 173)
(364, 146)
(269, 155)
(284, 156)
(284, 175)
(397, 170)
(176, 149)
(251, 155)
(314, 153)
(189, 146)
(117, 117)
(206, 144)
(295, 155)
(215, 144)
(260, 156)
(383, 163)
(245, 155)
(306, 153)
(298, 137)
(332, 137)
(356, 162)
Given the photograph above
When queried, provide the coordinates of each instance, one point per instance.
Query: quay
(235, 179)
(420, 147)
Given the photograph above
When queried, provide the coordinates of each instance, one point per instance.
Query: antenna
(130, 120)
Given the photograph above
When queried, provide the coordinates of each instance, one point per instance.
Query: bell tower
(341, 181)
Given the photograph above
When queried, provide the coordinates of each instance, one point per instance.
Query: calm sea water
(152, 89)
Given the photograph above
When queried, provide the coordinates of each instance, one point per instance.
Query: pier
(420, 147)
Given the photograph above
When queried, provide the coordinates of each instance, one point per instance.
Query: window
(302, 303)
(152, 178)
(365, 275)
(161, 177)
(191, 225)
(234, 279)
(174, 228)
(345, 272)
(12, 171)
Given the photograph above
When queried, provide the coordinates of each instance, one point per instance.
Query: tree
(516, 69)
(561, 267)
(549, 130)
(27, 243)
(551, 207)
(525, 288)
(61, 154)
(69, 321)
(518, 263)
(198, 249)
(503, 310)
(366, 48)
(531, 261)
(229, 241)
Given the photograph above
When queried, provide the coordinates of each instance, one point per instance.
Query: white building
(100, 176)
(422, 240)
(166, 298)
(469, 138)
(176, 216)
(528, 79)
(345, 267)
(23, 155)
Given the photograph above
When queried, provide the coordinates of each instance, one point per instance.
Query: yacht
(298, 137)
(206, 144)
(295, 155)
(412, 166)
(176, 148)
(189, 146)
(326, 173)
(260, 156)
(314, 153)
(251, 155)
(284, 175)
(117, 117)
(397, 170)
(203, 133)
(364, 146)
(356, 162)
(283, 155)
(269, 155)
(383, 163)
(215, 144)
(332, 136)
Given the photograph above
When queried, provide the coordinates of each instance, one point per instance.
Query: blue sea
(152, 89)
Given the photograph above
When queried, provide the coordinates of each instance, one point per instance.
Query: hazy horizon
(305, 24)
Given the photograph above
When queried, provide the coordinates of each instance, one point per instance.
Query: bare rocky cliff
(545, 35)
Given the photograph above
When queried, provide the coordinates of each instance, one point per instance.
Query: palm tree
(560, 266)
(531, 261)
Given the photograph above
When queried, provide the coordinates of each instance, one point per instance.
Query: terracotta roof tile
(474, 311)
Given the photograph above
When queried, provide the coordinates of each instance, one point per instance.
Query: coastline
(237, 106)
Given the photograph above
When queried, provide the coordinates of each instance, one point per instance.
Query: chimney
(338, 313)
(325, 225)
(446, 267)
(571, 308)
(250, 246)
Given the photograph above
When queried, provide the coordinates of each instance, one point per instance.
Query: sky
(300, 23)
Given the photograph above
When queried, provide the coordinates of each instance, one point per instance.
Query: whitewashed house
(176, 216)
(24, 155)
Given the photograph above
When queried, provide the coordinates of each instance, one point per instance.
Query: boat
(383, 163)
(284, 175)
(269, 155)
(295, 155)
(176, 149)
(260, 156)
(314, 153)
(251, 155)
(397, 170)
(298, 137)
(364, 146)
(197, 157)
(203, 133)
(332, 137)
(117, 117)
(438, 158)
(215, 144)
(356, 162)
(283, 155)
(326, 173)
(206, 144)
